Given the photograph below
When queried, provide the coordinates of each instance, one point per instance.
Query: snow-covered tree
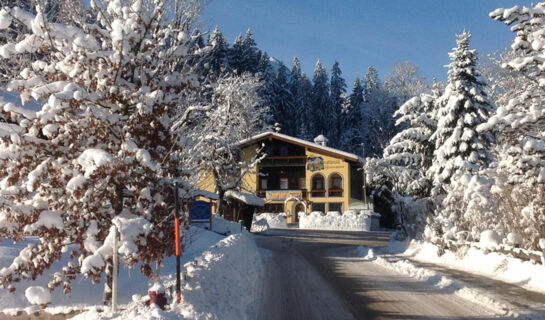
(404, 81)
(111, 91)
(337, 100)
(301, 89)
(410, 152)
(378, 110)
(217, 61)
(321, 113)
(519, 122)
(351, 133)
(461, 152)
(234, 114)
(460, 148)
(245, 55)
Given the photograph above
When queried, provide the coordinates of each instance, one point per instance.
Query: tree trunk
(117, 205)
(221, 196)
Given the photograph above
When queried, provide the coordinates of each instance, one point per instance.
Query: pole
(363, 176)
(177, 241)
(115, 275)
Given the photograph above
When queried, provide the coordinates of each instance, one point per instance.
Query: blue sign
(200, 210)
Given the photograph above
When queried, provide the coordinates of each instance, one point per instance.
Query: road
(316, 276)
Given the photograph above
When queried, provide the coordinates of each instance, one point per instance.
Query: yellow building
(298, 175)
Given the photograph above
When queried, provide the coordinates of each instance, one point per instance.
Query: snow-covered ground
(218, 268)
(348, 221)
(403, 257)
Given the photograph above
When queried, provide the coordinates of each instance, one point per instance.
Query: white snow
(221, 283)
(348, 221)
(246, 198)
(38, 295)
(490, 239)
(233, 263)
(264, 221)
(47, 219)
(91, 159)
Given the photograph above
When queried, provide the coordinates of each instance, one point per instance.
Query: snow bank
(349, 221)
(264, 221)
(222, 283)
(225, 227)
(86, 295)
(492, 264)
(441, 282)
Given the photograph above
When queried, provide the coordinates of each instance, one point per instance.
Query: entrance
(298, 207)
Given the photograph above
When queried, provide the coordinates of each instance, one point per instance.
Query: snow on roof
(247, 198)
(261, 136)
(207, 194)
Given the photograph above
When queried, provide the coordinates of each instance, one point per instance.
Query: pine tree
(337, 99)
(463, 106)
(301, 89)
(245, 55)
(410, 152)
(218, 56)
(351, 137)
(462, 193)
(378, 110)
(321, 114)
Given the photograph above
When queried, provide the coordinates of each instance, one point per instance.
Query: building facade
(298, 175)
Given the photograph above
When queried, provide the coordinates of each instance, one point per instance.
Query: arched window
(335, 184)
(317, 185)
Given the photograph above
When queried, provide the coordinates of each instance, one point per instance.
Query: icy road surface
(311, 275)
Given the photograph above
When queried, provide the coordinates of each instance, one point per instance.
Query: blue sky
(359, 33)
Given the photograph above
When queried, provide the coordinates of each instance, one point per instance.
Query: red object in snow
(158, 298)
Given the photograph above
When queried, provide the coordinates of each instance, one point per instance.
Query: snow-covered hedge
(264, 221)
(349, 221)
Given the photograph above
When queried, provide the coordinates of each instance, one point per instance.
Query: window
(336, 206)
(283, 183)
(318, 206)
(318, 186)
(335, 185)
(264, 184)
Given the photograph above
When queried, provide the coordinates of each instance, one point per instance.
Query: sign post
(116, 270)
(177, 241)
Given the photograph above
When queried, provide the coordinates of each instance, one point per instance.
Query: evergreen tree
(351, 137)
(378, 110)
(245, 55)
(218, 60)
(463, 194)
(336, 97)
(463, 106)
(321, 113)
(410, 152)
(301, 89)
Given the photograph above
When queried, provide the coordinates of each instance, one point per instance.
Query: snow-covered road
(311, 276)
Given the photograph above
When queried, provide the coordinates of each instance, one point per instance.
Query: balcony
(281, 195)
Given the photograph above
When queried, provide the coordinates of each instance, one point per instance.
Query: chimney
(321, 140)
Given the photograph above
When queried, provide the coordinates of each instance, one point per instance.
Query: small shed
(241, 206)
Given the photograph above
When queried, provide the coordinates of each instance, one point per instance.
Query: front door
(299, 207)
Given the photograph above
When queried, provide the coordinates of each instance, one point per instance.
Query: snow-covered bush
(264, 221)
(111, 90)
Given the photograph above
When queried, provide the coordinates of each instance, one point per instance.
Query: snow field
(349, 221)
